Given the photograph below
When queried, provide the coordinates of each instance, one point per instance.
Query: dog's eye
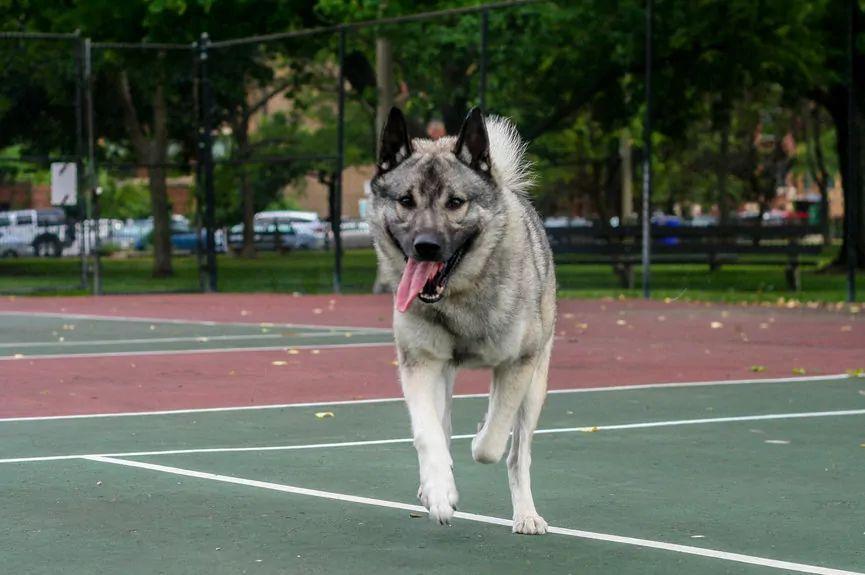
(406, 201)
(454, 203)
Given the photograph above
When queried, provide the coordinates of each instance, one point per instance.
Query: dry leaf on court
(317, 311)
(280, 362)
(858, 372)
(846, 328)
(415, 514)
(323, 414)
(798, 371)
(716, 325)
(758, 368)
(315, 352)
(621, 322)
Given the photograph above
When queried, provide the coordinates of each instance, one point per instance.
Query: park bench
(743, 244)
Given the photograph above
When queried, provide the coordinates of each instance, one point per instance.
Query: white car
(12, 246)
(310, 230)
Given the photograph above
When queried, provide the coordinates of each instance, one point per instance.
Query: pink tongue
(414, 277)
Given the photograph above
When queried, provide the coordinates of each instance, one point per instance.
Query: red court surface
(599, 343)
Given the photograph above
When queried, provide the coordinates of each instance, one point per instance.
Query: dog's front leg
(425, 387)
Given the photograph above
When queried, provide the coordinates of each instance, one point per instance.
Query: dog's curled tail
(508, 155)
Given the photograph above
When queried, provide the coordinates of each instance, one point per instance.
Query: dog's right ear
(395, 143)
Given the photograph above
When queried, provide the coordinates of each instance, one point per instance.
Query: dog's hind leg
(427, 395)
(509, 387)
(526, 518)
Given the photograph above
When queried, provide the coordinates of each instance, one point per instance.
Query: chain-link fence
(244, 164)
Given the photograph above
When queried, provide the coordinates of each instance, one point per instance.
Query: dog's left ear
(395, 145)
(473, 144)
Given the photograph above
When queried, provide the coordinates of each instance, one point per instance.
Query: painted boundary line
(645, 543)
(685, 384)
(186, 321)
(192, 351)
(187, 338)
(586, 429)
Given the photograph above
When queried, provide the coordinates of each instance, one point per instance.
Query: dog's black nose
(427, 247)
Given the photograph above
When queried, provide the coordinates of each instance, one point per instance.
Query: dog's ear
(395, 145)
(473, 144)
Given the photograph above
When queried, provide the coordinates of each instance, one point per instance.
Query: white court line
(24, 357)
(646, 543)
(587, 428)
(816, 378)
(191, 338)
(187, 321)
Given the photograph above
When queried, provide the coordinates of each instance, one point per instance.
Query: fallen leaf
(764, 326)
(293, 351)
(568, 316)
(317, 311)
(846, 328)
(243, 312)
(621, 322)
(798, 371)
(279, 363)
(323, 414)
(415, 514)
(265, 324)
(18, 356)
(583, 326)
(855, 309)
(716, 325)
(662, 318)
(758, 368)
(394, 362)
(315, 352)
(858, 372)
(777, 441)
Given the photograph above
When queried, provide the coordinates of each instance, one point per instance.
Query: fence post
(83, 197)
(647, 158)
(851, 212)
(92, 174)
(205, 158)
(336, 211)
(482, 76)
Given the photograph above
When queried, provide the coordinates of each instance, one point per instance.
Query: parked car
(12, 246)
(311, 232)
(184, 238)
(45, 229)
(355, 234)
(267, 236)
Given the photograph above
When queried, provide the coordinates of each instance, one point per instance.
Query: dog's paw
(530, 525)
(440, 498)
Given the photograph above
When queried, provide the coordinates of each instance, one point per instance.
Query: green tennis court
(757, 477)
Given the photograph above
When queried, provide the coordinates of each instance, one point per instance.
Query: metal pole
(647, 158)
(482, 87)
(92, 181)
(852, 210)
(83, 198)
(206, 148)
(336, 211)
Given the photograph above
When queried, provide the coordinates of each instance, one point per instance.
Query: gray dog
(455, 232)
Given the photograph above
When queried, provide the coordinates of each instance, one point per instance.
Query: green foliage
(123, 199)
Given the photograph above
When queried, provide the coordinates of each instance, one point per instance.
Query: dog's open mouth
(426, 280)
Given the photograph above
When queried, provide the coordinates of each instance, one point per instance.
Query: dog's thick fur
(498, 305)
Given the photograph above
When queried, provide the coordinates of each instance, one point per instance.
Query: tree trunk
(161, 221)
(384, 83)
(151, 150)
(723, 169)
(839, 117)
(247, 192)
(159, 186)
